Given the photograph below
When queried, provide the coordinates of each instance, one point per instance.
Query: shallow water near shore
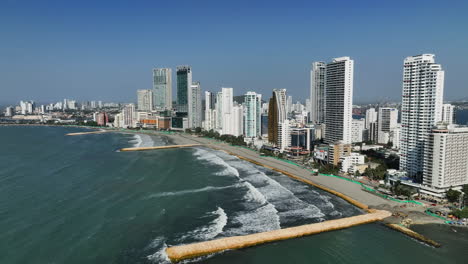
(78, 200)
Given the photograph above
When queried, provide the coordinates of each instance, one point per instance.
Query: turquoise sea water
(78, 200)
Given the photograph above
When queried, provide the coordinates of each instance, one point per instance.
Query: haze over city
(106, 49)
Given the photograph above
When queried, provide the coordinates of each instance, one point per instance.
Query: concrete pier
(86, 133)
(178, 253)
(160, 147)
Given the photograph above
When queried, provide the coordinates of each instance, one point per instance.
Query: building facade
(387, 121)
(448, 113)
(446, 164)
(276, 115)
(339, 100)
(145, 100)
(162, 89)
(423, 87)
(317, 92)
(195, 106)
(184, 83)
(253, 114)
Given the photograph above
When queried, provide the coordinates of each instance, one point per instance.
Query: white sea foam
(210, 231)
(264, 218)
(254, 195)
(141, 140)
(160, 255)
(183, 192)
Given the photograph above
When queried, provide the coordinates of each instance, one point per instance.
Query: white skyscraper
(447, 113)
(162, 88)
(317, 92)
(387, 121)
(253, 112)
(210, 111)
(129, 116)
(289, 105)
(226, 114)
(237, 120)
(357, 130)
(371, 117)
(195, 105)
(145, 100)
(423, 88)
(339, 100)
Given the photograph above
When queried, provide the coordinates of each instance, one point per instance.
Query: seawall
(178, 253)
(414, 235)
(160, 147)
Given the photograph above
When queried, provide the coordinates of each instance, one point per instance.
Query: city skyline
(106, 64)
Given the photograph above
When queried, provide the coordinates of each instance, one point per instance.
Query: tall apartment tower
(253, 114)
(387, 121)
(339, 100)
(423, 87)
(184, 83)
(195, 105)
(162, 88)
(371, 117)
(145, 100)
(226, 115)
(317, 92)
(210, 111)
(276, 115)
(447, 113)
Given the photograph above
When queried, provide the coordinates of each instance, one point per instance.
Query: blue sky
(105, 50)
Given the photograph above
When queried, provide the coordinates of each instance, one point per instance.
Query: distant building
(284, 138)
(337, 151)
(237, 120)
(338, 100)
(145, 100)
(210, 111)
(195, 106)
(102, 119)
(448, 113)
(276, 115)
(357, 130)
(387, 121)
(253, 113)
(129, 116)
(162, 89)
(447, 164)
(317, 92)
(371, 117)
(395, 137)
(9, 111)
(184, 83)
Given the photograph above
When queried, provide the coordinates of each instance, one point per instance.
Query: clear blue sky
(105, 50)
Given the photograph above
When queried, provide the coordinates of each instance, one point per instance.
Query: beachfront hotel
(423, 87)
(445, 161)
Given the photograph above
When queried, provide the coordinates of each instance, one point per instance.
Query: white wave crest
(160, 255)
(214, 228)
(264, 218)
(183, 192)
(212, 158)
(141, 140)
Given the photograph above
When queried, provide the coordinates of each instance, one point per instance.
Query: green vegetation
(376, 174)
(329, 169)
(452, 195)
(399, 189)
(461, 213)
(238, 141)
(392, 162)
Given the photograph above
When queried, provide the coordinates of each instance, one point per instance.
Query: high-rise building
(253, 114)
(423, 87)
(357, 130)
(210, 111)
(129, 116)
(317, 92)
(289, 105)
(145, 100)
(371, 117)
(284, 135)
(162, 88)
(448, 113)
(9, 111)
(387, 121)
(225, 105)
(338, 100)
(195, 105)
(276, 114)
(446, 165)
(237, 120)
(184, 83)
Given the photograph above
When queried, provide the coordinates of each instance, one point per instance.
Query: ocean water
(79, 200)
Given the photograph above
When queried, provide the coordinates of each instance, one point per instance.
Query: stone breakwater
(178, 253)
